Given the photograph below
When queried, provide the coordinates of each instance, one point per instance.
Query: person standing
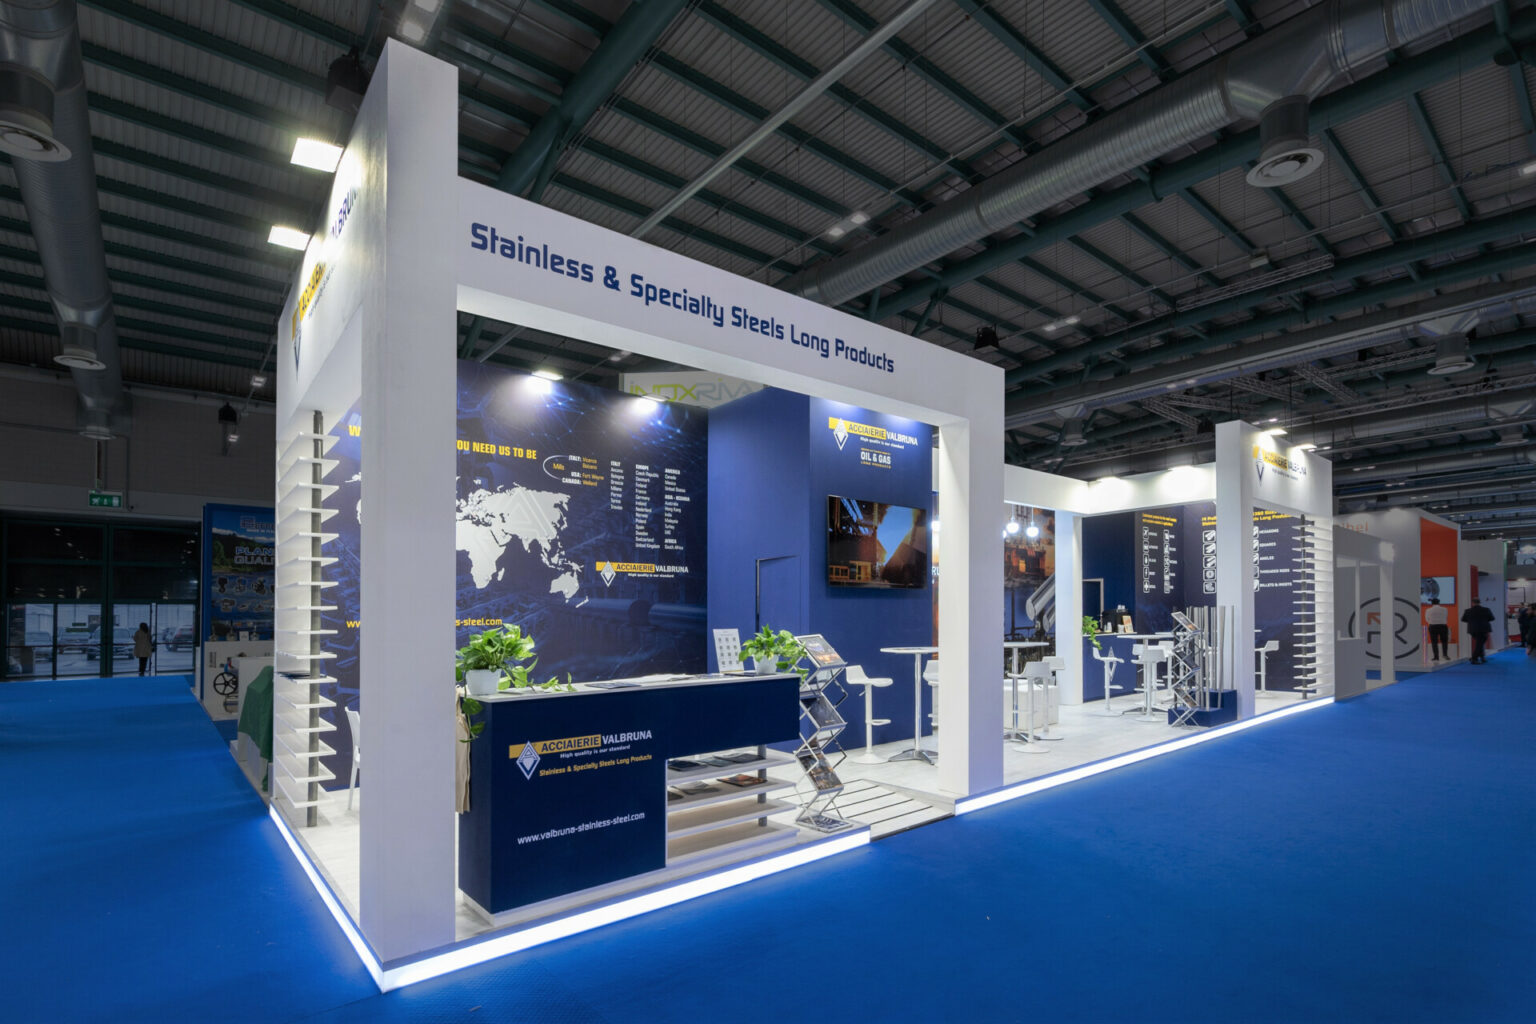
(1479, 623)
(1523, 623)
(143, 646)
(1439, 633)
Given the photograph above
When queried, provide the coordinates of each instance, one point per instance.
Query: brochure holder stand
(821, 692)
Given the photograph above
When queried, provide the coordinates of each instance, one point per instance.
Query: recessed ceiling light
(258, 380)
(618, 357)
(317, 155)
(547, 374)
(288, 238)
(412, 31)
(858, 217)
(836, 231)
(1528, 169)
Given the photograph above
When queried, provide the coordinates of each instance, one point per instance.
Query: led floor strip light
(1022, 789)
(538, 934)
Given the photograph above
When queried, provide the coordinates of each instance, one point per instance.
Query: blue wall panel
(774, 458)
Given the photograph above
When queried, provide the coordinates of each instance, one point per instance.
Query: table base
(915, 755)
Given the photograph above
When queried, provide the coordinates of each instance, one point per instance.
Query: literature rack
(819, 754)
(297, 724)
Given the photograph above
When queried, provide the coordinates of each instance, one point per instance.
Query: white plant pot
(765, 666)
(482, 682)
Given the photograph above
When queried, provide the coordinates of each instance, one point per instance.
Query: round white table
(917, 753)
(1026, 735)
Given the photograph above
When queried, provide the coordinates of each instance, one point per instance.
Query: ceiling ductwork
(45, 127)
(1286, 153)
(1275, 74)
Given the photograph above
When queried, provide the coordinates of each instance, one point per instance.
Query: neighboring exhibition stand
(366, 355)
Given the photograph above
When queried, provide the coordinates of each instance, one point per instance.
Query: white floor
(887, 797)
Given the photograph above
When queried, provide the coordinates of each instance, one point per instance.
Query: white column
(1388, 636)
(407, 864)
(1069, 606)
(970, 459)
(1234, 553)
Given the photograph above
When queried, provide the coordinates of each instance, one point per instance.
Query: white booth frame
(372, 317)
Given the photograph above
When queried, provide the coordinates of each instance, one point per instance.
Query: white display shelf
(318, 560)
(308, 584)
(308, 705)
(736, 840)
(304, 729)
(303, 443)
(326, 775)
(708, 772)
(305, 608)
(322, 749)
(706, 819)
(300, 518)
(724, 793)
(288, 797)
(300, 473)
(296, 656)
(312, 632)
(301, 496)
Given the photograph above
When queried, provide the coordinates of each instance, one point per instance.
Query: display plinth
(569, 792)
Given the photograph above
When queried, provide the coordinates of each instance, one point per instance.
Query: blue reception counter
(569, 791)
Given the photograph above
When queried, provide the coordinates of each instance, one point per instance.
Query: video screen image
(873, 544)
(1442, 588)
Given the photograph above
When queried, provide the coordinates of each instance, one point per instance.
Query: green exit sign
(106, 499)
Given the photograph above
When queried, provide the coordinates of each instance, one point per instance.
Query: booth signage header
(684, 297)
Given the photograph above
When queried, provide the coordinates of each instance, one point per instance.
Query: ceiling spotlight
(986, 337)
(258, 380)
(1509, 436)
(229, 425)
(1032, 531)
(412, 31)
(1258, 259)
(316, 155)
(288, 238)
(1072, 434)
(858, 217)
(1307, 447)
(1066, 321)
(618, 357)
(1529, 169)
(836, 231)
(430, 6)
(1275, 432)
(1012, 527)
(547, 374)
(345, 82)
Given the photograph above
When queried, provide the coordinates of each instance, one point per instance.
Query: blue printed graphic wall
(774, 458)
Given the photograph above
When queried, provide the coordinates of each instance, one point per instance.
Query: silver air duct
(1272, 74)
(45, 127)
(1285, 151)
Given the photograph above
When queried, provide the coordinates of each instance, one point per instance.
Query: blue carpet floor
(1365, 862)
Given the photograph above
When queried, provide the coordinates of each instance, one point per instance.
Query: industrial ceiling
(813, 144)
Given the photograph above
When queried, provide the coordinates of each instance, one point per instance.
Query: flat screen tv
(1443, 587)
(873, 544)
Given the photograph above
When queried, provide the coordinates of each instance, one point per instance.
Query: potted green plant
(1091, 631)
(483, 664)
(771, 651)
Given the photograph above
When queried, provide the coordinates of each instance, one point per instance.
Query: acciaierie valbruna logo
(528, 760)
(605, 570)
(1258, 461)
(840, 433)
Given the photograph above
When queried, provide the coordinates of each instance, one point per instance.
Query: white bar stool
(931, 677)
(1149, 656)
(1109, 661)
(854, 674)
(354, 722)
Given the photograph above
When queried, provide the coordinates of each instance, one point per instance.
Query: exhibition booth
(433, 499)
(636, 545)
